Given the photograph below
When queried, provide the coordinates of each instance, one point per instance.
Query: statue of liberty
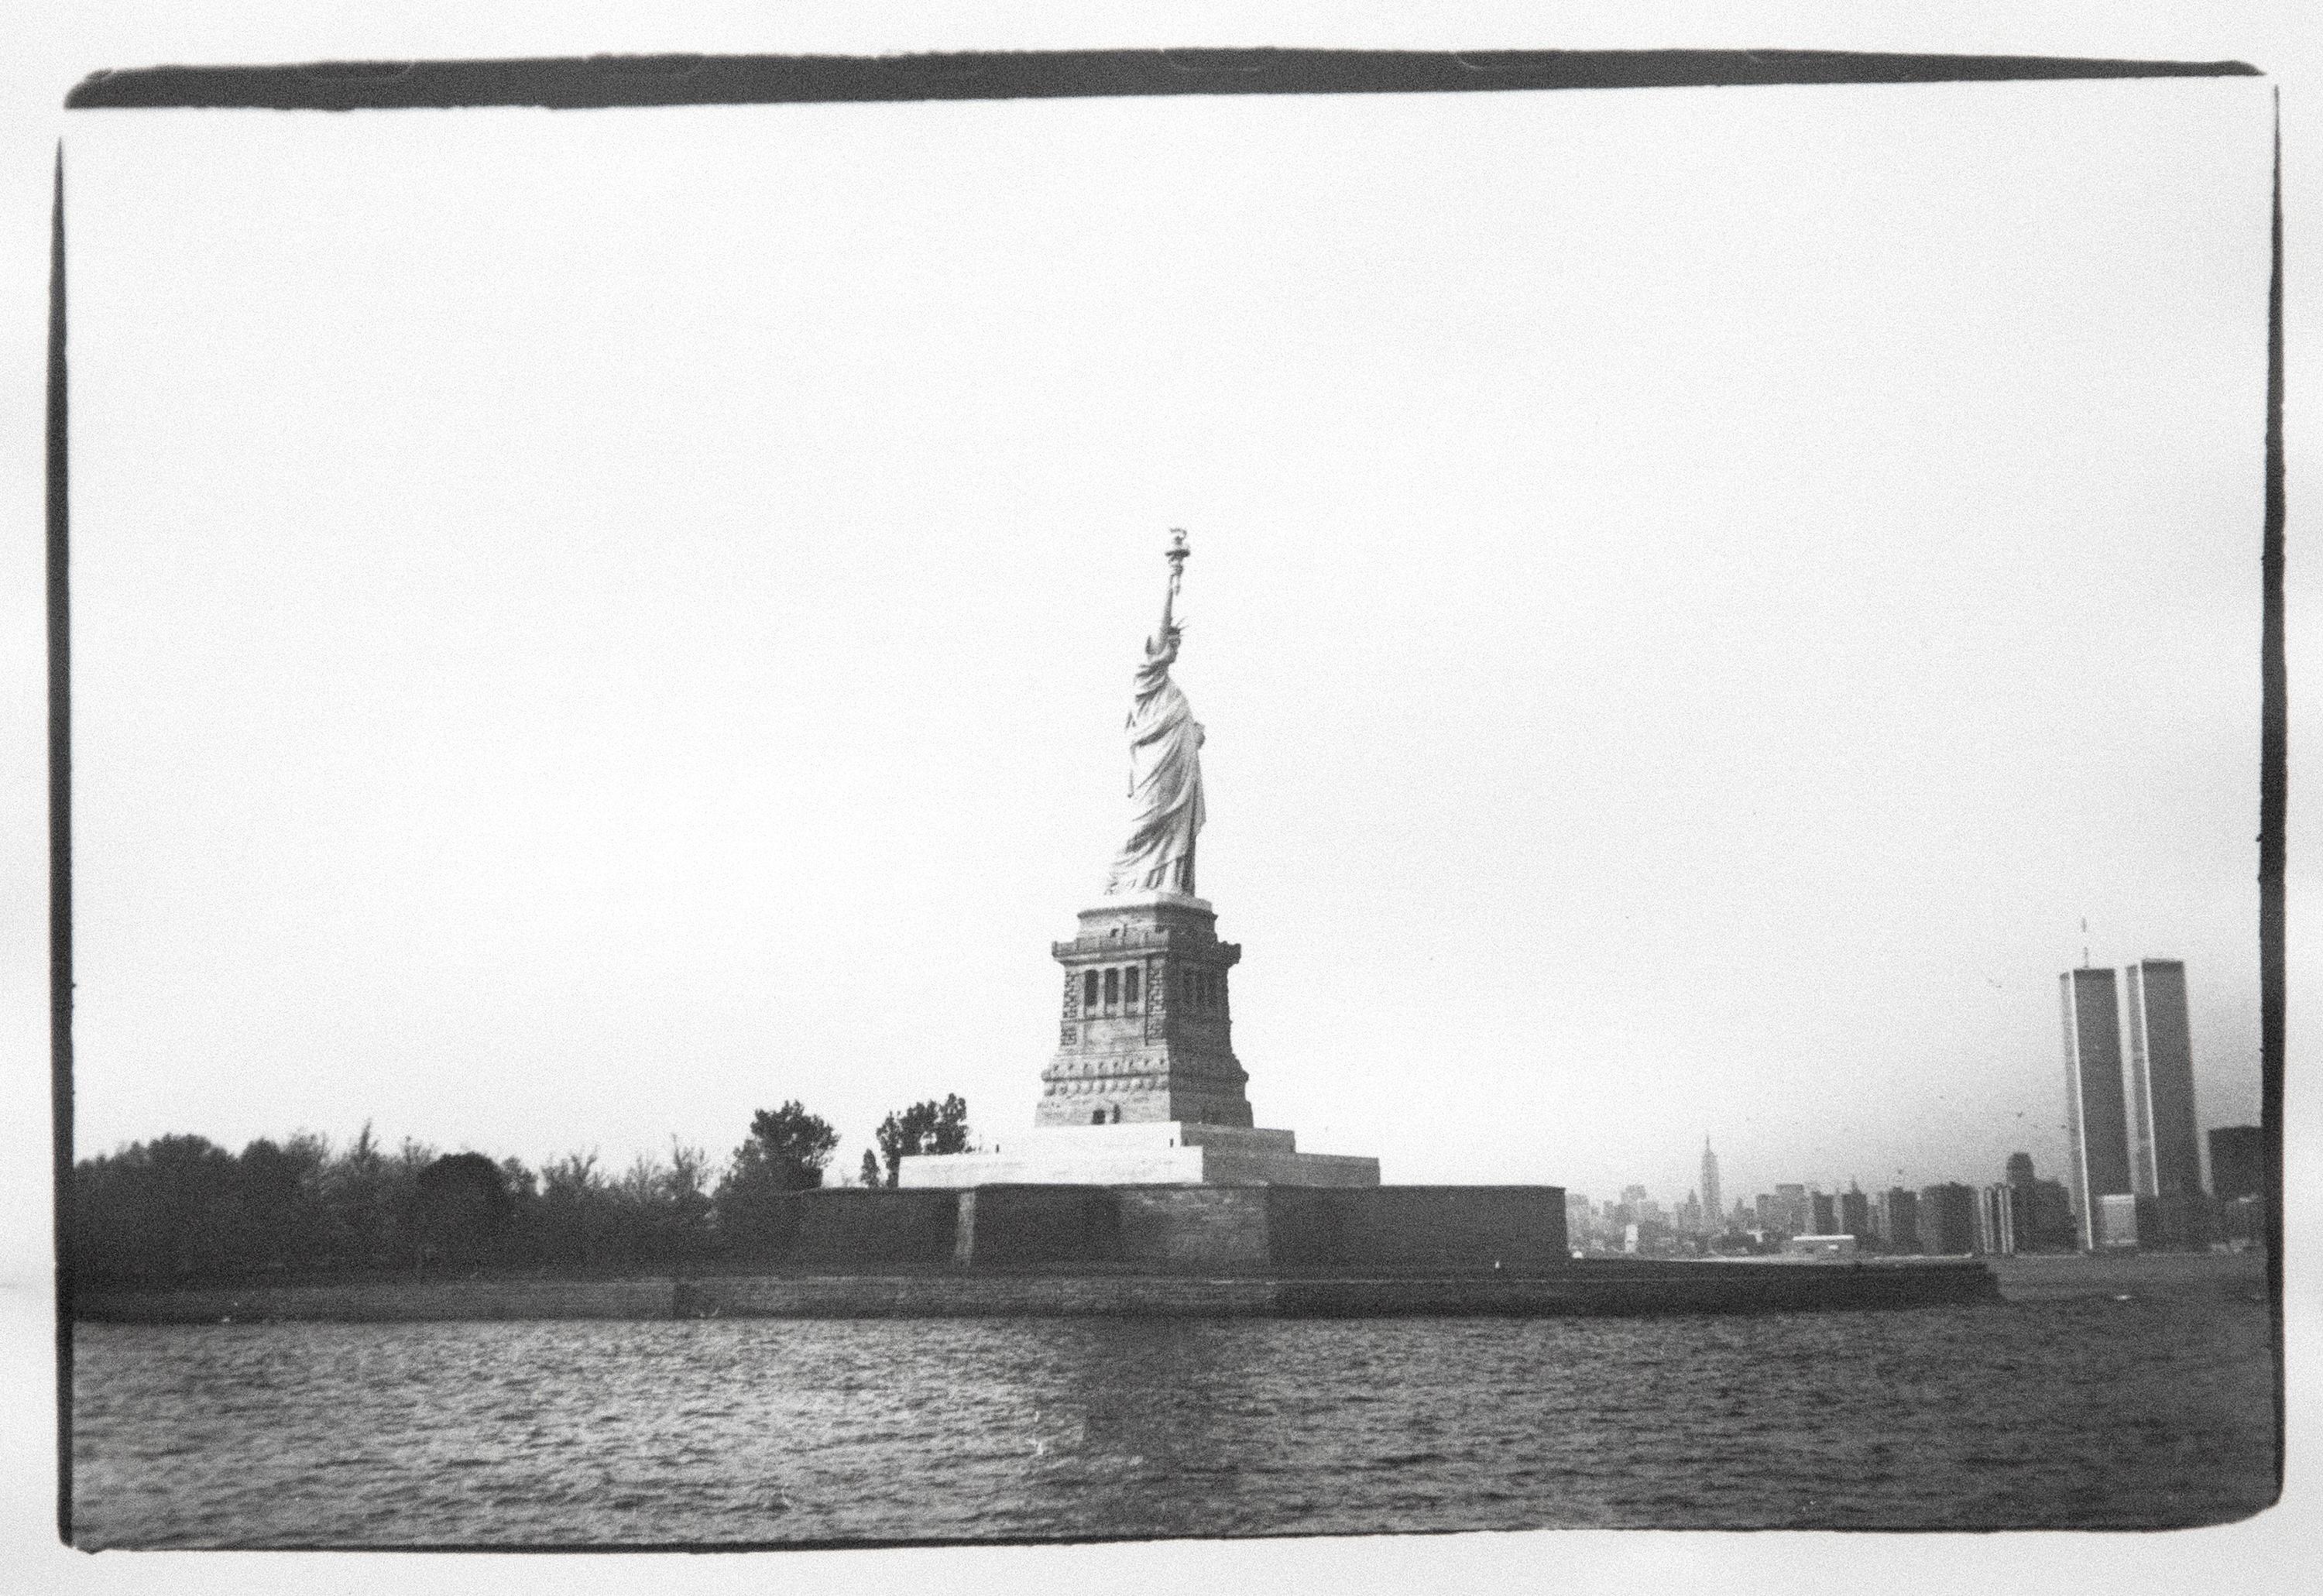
(1165, 764)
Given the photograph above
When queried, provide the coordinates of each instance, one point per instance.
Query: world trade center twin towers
(2132, 1130)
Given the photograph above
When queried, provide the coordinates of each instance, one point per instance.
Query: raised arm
(1165, 639)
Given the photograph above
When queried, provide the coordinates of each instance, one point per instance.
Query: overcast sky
(587, 625)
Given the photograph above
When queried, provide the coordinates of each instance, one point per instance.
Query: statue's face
(1166, 651)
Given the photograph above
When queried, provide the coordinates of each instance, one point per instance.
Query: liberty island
(1144, 1187)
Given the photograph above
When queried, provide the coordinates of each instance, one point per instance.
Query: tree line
(182, 1209)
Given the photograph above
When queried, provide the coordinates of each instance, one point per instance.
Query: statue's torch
(1177, 554)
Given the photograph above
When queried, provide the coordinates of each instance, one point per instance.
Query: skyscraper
(2043, 1214)
(1899, 1220)
(1947, 1218)
(1710, 1202)
(2237, 1161)
(2048, 1216)
(1689, 1217)
(1997, 1230)
(1791, 1203)
(2096, 1125)
(2165, 1154)
(1855, 1213)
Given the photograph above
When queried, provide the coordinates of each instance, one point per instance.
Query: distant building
(1947, 1218)
(1648, 1236)
(1895, 1219)
(1996, 1220)
(1710, 1190)
(2165, 1149)
(2237, 1162)
(2239, 1224)
(2175, 1224)
(1823, 1215)
(2116, 1222)
(1791, 1209)
(1854, 1213)
(2097, 1121)
(1579, 1221)
(2020, 1182)
(2046, 1220)
(1820, 1246)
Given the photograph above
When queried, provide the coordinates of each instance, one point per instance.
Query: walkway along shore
(1587, 1287)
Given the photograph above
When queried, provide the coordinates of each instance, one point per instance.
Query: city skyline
(2022, 1210)
(2157, 1154)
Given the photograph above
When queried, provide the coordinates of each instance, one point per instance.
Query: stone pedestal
(1146, 1036)
(1143, 1089)
(1165, 1154)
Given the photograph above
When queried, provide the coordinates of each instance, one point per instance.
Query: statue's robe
(1165, 787)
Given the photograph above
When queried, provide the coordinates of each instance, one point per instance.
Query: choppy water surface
(2064, 1407)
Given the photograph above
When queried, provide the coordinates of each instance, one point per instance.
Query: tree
(355, 1199)
(576, 1220)
(870, 1176)
(687, 1187)
(399, 1192)
(786, 1151)
(923, 1127)
(950, 1135)
(520, 1235)
(460, 1206)
(157, 1210)
(787, 1147)
(190, 1181)
(278, 1219)
(664, 1208)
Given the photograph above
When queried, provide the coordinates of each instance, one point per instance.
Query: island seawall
(1591, 1287)
(1173, 1250)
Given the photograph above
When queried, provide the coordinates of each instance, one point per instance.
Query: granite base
(1169, 1152)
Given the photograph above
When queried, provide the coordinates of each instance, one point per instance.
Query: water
(2064, 1406)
